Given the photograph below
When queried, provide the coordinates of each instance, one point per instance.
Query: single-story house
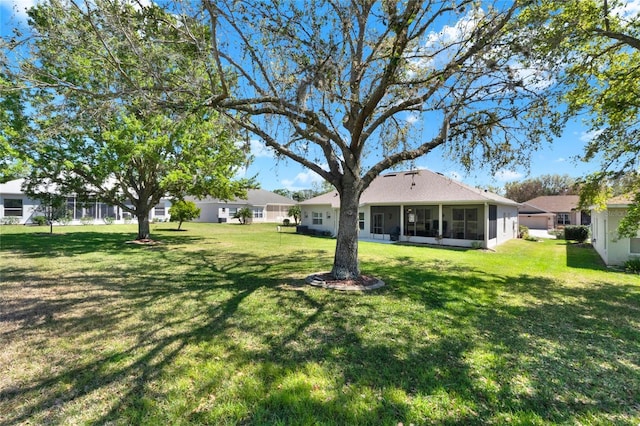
(604, 233)
(17, 207)
(421, 206)
(266, 206)
(552, 211)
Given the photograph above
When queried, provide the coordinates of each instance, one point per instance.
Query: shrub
(10, 220)
(109, 220)
(523, 232)
(632, 265)
(86, 220)
(579, 233)
(39, 220)
(64, 220)
(286, 222)
(244, 215)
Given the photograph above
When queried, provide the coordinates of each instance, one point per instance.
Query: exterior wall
(325, 213)
(81, 213)
(223, 212)
(507, 224)
(277, 213)
(29, 207)
(604, 226)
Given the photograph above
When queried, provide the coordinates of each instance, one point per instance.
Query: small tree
(244, 215)
(295, 212)
(52, 203)
(183, 211)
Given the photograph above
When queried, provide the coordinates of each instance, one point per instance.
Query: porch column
(401, 221)
(440, 220)
(486, 225)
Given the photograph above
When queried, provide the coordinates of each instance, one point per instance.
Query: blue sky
(555, 157)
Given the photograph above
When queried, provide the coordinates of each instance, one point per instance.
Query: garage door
(533, 222)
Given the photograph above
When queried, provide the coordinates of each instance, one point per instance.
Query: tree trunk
(345, 262)
(143, 226)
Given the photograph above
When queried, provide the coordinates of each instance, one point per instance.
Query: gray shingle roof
(255, 197)
(555, 203)
(417, 186)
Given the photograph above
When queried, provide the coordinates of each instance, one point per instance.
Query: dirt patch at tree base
(326, 280)
(144, 242)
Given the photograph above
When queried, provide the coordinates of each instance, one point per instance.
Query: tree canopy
(340, 86)
(593, 46)
(347, 89)
(107, 118)
(542, 185)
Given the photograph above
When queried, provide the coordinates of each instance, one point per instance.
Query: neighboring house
(266, 206)
(15, 205)
(552, 211)
(421, 206)
(604, 233)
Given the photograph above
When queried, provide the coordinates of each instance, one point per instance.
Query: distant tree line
(542, 185)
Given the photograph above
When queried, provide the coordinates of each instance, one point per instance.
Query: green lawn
(215, 326)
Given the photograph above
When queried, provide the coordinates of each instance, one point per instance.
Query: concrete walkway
(541, 233)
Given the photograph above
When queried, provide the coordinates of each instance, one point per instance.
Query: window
(12, 207)
(564, 219)
(257, 213)
(316, 218)
(634, 245)
(464, 225)
(493, 221)
(159, 210)
(361, 221)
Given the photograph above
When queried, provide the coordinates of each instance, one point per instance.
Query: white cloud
(589, 136)
(560, 160)
(507, 175)
(259, 149)
(303, 180)
(628, 9)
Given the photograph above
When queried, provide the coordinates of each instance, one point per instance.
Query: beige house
(604, 233)
(266, 206)
(552, 211)
(420, 206)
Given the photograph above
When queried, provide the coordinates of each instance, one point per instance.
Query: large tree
(350, 89)
(347, 89)
(102, 80)
(594, 46)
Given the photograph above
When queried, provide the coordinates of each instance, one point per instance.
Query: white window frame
(316, 218)
(13, 210)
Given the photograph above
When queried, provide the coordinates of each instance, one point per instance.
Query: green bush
(632, 265)
(39, 220)
(245, 215)
(523, 232)
(86, 220)
(109, 220)
(64, 220)
(579, 233)
(286, 222)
